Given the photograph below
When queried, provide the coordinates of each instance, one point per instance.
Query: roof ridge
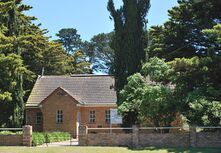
(90, 75)
(77, 75)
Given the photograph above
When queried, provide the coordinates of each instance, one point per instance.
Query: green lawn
(77, 149)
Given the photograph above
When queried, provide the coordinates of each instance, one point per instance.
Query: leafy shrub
(38, 138)
(57, 136)
(10, 133)
(41, 138)
(19, 132)
(6, 133)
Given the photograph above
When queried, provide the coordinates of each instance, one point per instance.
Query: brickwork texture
(136, 139)
(24, 139)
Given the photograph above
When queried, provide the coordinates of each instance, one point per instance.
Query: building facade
(62, 103)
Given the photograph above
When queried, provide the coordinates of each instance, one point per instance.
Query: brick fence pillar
(135, 136)
(27, 135)
(193, 134)
(82, 139)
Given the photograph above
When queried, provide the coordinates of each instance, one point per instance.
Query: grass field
(77, 149)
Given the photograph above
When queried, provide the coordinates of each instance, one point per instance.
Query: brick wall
(164, 140)
(144, 140)
(31, 119)
(100, 116)
(11, 140)
(209, 139)
(136, 139)
(24, 139)
(59, 100)
(107, 139)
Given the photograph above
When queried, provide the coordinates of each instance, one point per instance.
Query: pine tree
(100, 53)
(182, 35)
(24, 42)
(12, 20)
(11, 90)
(70, 39)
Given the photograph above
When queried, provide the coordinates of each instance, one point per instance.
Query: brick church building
(62, 103)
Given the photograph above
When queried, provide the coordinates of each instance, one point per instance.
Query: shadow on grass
(179, 150)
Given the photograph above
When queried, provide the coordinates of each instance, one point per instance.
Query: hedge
(39, 138)
(10, 133)
(57, 136)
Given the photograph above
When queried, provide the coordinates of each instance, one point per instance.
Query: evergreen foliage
(70, 39)
(188, 86)
(24, 52)
(189, 58)
(100, 54)
(128, 42)
(129, 39)
(182, 35)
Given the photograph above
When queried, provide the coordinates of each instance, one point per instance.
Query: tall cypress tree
(128, 42)
(13, 23)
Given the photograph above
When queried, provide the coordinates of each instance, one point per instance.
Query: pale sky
(89, 17)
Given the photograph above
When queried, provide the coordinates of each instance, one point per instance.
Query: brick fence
(24, 139)
(190, 138)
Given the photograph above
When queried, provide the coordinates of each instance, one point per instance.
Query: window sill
(59, 123)
(92, 123)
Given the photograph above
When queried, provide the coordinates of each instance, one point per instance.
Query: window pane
(38, 118)
(92, 117)
(59, 116)
(107, 116)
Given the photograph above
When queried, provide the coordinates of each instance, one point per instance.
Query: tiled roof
(87, 89)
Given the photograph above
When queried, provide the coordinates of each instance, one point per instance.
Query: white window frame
(107, 116)
(59, 116)
(92, 116)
